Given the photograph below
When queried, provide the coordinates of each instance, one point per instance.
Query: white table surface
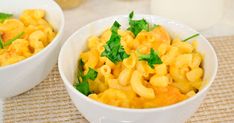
(91, 10)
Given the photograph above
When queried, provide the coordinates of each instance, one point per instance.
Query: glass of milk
(199, 14)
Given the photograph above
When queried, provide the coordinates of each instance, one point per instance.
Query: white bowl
(24, 75)
(101, 113)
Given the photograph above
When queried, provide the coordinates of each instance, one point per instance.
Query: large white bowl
(24, 75)
(101, 113)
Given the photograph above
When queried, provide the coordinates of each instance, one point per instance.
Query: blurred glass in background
(68, 4)
(229, 13)
(199, 14)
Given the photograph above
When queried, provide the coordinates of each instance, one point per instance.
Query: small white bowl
(97, 112)
(24, 75)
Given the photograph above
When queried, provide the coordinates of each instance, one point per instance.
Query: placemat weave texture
(49, 101)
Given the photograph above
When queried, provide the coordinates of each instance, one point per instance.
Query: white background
(91, 10)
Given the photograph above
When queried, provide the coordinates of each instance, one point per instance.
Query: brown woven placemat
(49, 101)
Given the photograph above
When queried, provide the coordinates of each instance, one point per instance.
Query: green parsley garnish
(80, 71)
(92, 74)
(1, 42)
(151, 58)
(83, 87)
(82, 84)
(4, 16)
(9, 42)
(114, 51)
(190, 37)
(136, 26)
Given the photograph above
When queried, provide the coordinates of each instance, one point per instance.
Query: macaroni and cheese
(23, 37)
(148, 69)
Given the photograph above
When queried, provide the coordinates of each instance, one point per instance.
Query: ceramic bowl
(24, 75)
(96, 112)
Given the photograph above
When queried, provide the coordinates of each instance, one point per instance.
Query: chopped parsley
(190, 37)
(82, 84)
(92, 74)
(136, 26)
(9, 42)
(1, 42)
(114, 51)
(4, 16)
(83, 87)
(151, 58)
(80, 71)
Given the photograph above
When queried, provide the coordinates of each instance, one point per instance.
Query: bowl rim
(132, 110)
(52, 43)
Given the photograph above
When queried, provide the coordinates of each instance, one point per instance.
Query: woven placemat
(49, 101)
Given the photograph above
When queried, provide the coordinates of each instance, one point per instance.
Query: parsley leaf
(4, 16)
(151, 58)
(190, 37)
(82, 84)
(114, 51)
(131, 15)
(1, 42)
(115, 27)
(9, 42)
(136, 26)
(83, 87)
(80, 71)
(92, 74)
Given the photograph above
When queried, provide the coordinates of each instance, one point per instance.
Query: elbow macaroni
(124, 76)
(133, 83)
(139, 88)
